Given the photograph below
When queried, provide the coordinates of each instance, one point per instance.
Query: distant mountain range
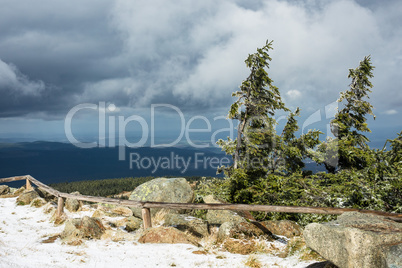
(53, 162)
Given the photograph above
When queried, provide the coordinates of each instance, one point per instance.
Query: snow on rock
(23, 228)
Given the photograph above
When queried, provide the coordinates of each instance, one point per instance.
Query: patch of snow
(22, 228)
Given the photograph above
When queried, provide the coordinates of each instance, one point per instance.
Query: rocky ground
(31, 236)
(28, 238)
(100, 235)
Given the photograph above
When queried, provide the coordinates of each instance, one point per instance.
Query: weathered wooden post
(60, 206)
(146, 218)
(28, 185)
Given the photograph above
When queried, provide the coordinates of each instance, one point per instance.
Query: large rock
(85, 228)
(17, 192)
(133, 224)
(117, 235)
(122, 211)
(38, 202)
(72, 204)
(243, 230)
(297, 246)
(193, 225)
(175, 190)
(42, 193)
(103, 211)
(284, 228)
(168, 235)
(50, 208)
(4, 189)
(217, 217)
(242, 246)
(357, 240)
(27, 197)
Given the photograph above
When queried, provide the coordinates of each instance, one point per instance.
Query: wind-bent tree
(258, 150)
(349, 149)
(295, 150)
(257, 101)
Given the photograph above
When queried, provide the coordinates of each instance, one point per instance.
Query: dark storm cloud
(189, 53)
(55, 44)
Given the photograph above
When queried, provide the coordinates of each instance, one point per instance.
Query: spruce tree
(349, 149)
(258, 151)
(257, 101)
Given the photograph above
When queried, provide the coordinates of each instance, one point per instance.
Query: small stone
(123, 211)
(85, 228)
(38, 202)
(167, 235)
(4, 189)
(284, 228)
(27, 197)
(49, 208)
(200, 252)
(117, 235)
(98, 213)
(242, 230)
(240, 246)
(193, 225)
(73, 205)
(133, 224)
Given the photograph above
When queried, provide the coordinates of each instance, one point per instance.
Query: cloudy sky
(55, 55)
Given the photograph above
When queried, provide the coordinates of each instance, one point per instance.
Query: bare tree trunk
(239, 133)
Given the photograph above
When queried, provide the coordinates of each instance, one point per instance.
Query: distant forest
(107, 187)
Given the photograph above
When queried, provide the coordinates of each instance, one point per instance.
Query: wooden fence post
(60, 206)
(146, 218)
(28, 185)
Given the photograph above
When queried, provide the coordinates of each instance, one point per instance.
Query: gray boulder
(122, 211)
(175, 190)
(27, 197)
(4, 189)
(284, 228)
(73, 204)
(17, 192)
(49, 208)
(193, 225)
(117, 236)
(85, 228)
(243, 230)
(217, 217)
(38, 202)
(166, 235)
(357, 240)
(133, 224)
(42, 193)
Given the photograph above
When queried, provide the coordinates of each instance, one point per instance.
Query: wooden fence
(145, 205)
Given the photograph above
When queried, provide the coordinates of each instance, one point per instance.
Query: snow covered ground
(22, 228)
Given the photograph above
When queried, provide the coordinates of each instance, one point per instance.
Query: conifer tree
(258, 150)
(257, 101)
(349, 149)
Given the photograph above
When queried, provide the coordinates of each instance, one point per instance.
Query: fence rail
(146, 205)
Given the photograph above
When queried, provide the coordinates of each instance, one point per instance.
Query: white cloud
(111, 89)
(14, 82)
(293, 94)
(391, 112)
(191, 53)
(194, 51)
